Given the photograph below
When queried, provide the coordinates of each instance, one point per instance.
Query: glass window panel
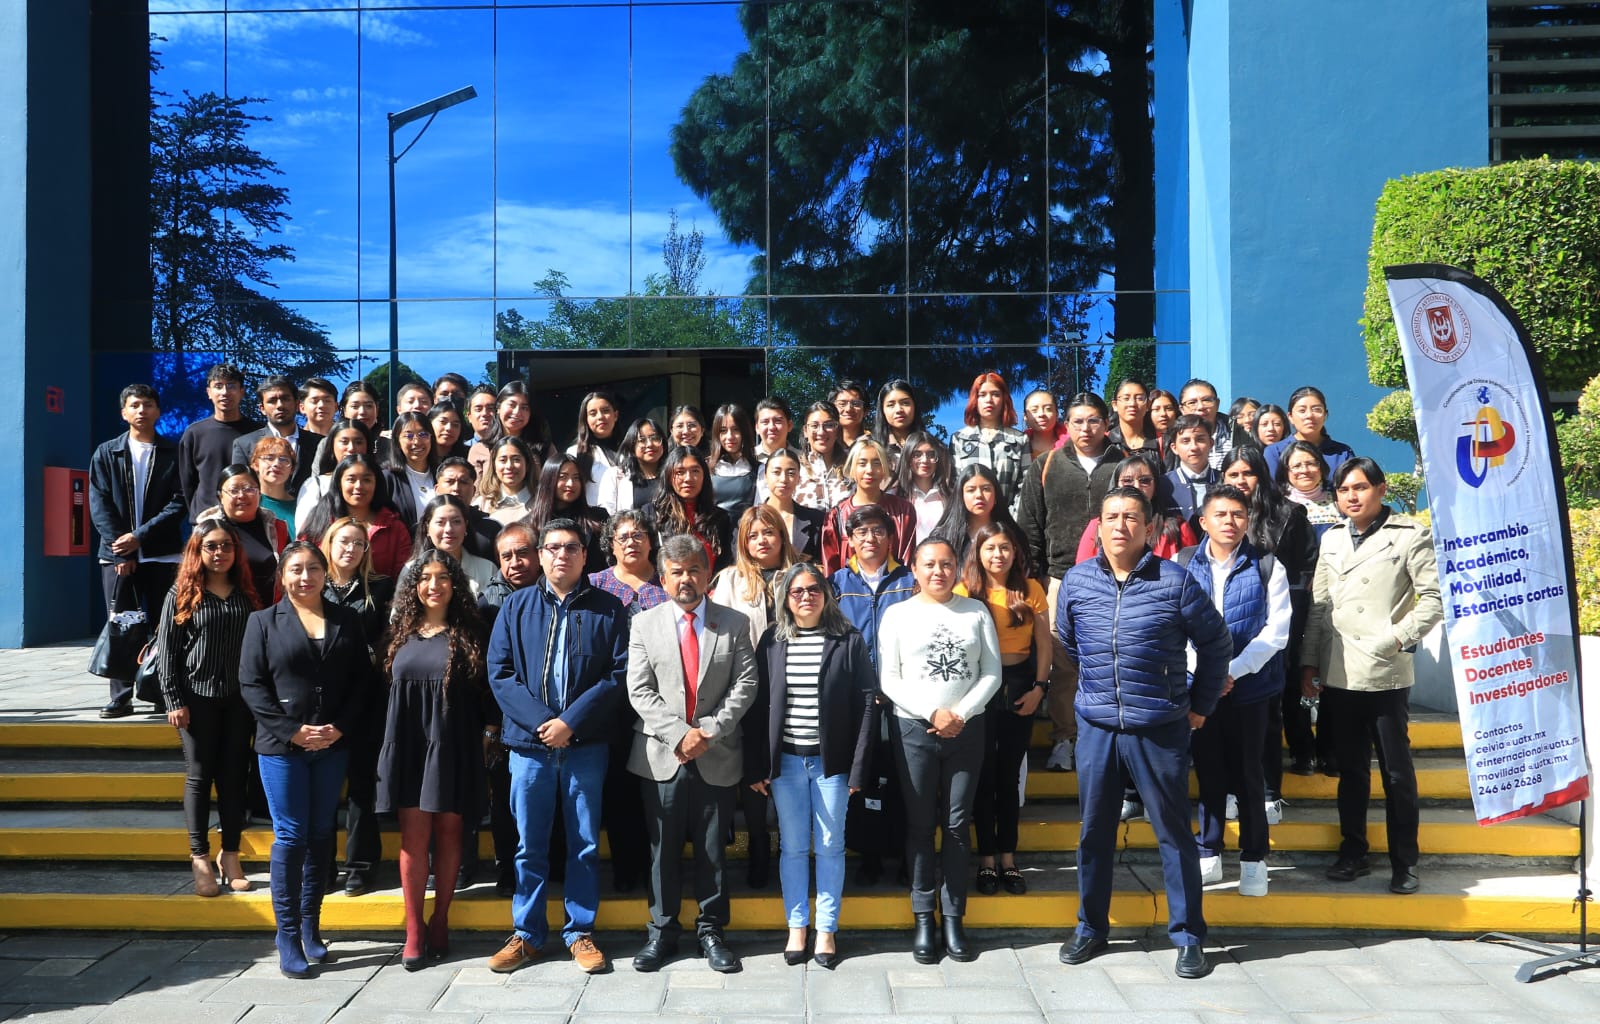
(1081, 340)
(561, 105)
(445, 184)
(956, 337)
(977, 126)
(679, 55)
(837, 175)
(861, 338)
(189, 49)
(303, 65)
(436, 336)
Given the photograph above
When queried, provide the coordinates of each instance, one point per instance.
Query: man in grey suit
(686, 746)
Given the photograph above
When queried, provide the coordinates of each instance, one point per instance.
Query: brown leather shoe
(588, 956)
(514, 954)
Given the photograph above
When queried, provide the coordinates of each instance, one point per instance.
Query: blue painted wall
(1298, 114)
(44, 307)
(1170, 110)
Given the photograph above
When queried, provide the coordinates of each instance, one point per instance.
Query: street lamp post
(429, 110)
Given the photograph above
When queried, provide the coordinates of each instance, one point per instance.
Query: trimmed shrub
(1131, 359)
(1530, 228)
(1586, 562)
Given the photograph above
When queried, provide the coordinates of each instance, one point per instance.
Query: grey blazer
(726, 690)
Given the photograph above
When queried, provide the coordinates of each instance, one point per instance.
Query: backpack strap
(1186, 556)
(1044, 471)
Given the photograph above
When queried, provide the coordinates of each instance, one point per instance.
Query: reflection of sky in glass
(560, 164)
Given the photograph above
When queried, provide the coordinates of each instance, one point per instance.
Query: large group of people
(673, 622)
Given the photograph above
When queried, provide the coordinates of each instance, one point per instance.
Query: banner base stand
(1581, 957)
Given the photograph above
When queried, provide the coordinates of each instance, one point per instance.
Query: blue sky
(538, 173)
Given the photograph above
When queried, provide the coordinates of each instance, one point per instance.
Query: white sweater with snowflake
(933, 656)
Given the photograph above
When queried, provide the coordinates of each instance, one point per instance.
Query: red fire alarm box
(66, 511)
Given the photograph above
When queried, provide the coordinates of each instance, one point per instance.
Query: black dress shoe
(465, 876)
(1348, 869)
(655, 955)
(715, 949)
(1080, 949)
(758, 874)
(117, 709)
(1403, 881)
(356, 882)
(869, 871)
(1192, 962)
(1303, 766)
(925, 942)
(955, 940)
(828, 961)
(796, 957)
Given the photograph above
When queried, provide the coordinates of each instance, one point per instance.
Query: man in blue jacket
(1128, 617)
(558, 666)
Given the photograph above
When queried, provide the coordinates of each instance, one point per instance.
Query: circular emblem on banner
(1491, 444)
(1440, 329)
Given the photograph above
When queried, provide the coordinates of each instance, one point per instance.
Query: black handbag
(147, 681)
(116, 652)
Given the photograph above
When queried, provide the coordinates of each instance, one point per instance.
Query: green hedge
(1131, 359)
(1530, 228)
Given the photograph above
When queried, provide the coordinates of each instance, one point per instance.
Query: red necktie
(690, 649)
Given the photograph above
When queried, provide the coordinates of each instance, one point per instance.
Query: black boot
(319, 856)
(955, 940)
(925, 943)
(288, 873)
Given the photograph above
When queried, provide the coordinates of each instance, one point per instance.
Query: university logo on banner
(1500, 534)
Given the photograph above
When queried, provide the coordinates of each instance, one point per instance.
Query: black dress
(432, 754)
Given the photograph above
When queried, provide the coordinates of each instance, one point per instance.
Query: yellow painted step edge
(1426, 734)
(1512, 839)
(1054, 912)
(1432, 784)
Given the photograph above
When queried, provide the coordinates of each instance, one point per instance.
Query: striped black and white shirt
(201, 656)
(803, 693)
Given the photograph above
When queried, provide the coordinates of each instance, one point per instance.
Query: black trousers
(623, 814)
(502, 826)
(1006, 736)
(939, 778)
(363, 845)
(145, 589)
(216, 751)
(1363, 719)
(687, 807)
(1227, 759)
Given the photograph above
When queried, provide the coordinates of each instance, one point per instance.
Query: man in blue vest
(1251, 590)
(1128, 618)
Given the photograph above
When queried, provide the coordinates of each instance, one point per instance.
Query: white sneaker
(1062, 757)
(1210, 870)
(1132, 810)
(1274, 811)
(1252, 878)
(1231, 811)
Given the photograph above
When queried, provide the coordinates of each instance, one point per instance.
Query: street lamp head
(432, 106)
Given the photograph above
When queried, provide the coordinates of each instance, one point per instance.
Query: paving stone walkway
(61, 978)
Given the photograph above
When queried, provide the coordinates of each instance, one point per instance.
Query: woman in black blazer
(808, 741)
(306, 674)
(805, 524)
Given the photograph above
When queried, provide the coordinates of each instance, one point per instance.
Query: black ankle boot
(955, 940)
(925, 943)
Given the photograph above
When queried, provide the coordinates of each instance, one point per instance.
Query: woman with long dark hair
(347, 438)
(809, 745)
(448, 423)
(361, 403)
(781, 473)
(595, 442)
(1308, 415)
(975, 503)
(198, 641)
(445, 525)
(733, 460)
(1170, 533)
(559, 494)
(1272, 426)
(686, 505)
(360, 491)
(687, 429)
(1132, 430)
(1163, 414)
(635, 479)
(996, 573)
(514, 417)
(306, 674)
(926, 479)
(823, 483)
(898, 418)
(410, 465)
(430, 768)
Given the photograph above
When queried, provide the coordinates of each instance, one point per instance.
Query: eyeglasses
(351, 543)
(825, 426)
(629, 538)
(802, 593)
(217, 546)
(870, 533)
(1132, 481)
(1195, 403)
(1092, 421)
(242, 492)
(569, 549)
(414, 435)
(849, 403)
(924, 455)
(274, 460)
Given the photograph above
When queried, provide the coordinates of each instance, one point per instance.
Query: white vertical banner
(1501, 536)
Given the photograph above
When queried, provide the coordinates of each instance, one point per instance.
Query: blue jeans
(810, 803)
(303, 794)
(571, 779)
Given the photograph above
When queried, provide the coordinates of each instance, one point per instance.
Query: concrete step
(157, 898)
(129, 834)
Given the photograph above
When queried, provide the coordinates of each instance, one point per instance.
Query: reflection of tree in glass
(1024, 165)
(212, 207)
